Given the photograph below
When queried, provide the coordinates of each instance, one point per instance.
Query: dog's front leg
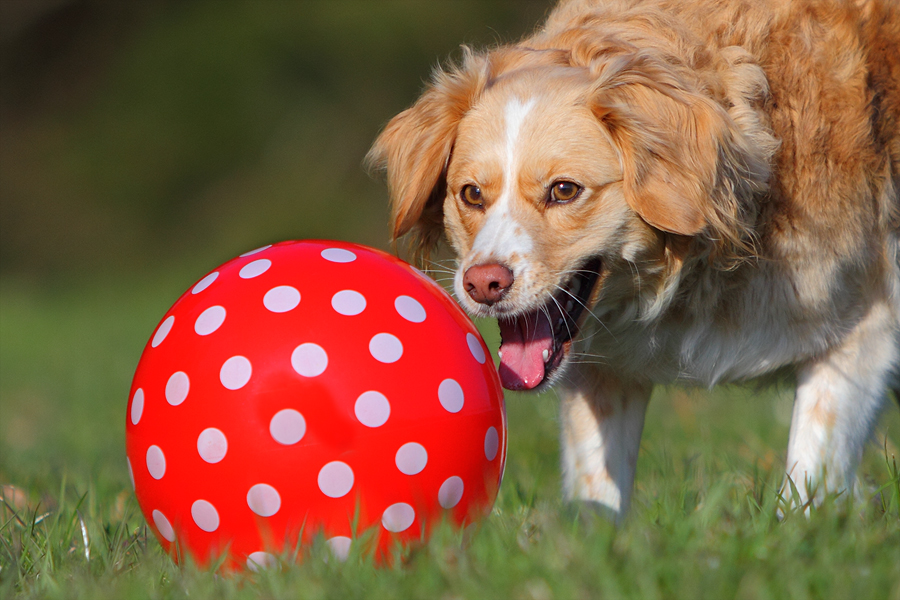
(602, 420)
(839, 397)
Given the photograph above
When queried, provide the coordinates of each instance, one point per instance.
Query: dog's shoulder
(835, 106)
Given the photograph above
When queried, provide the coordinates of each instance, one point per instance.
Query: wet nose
(487, 284)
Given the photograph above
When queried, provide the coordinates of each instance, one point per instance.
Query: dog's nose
(487, 284)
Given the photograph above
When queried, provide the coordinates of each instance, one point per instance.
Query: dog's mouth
(534, 344)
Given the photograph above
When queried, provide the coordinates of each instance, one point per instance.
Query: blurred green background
(135, 133)
(144, 143)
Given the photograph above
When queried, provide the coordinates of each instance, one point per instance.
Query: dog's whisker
(570, 272)
(442, 272)
(589, 355)
(592, 335)
(576, 361)
(565, 321)
(439, 267)
(583, 305)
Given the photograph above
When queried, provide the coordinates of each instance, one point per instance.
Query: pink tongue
(524, 340)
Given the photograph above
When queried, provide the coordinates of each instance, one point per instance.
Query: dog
(652, 192)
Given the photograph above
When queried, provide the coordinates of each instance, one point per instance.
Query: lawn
(703, 524)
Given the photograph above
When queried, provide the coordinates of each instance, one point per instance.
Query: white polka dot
(156, 462)
(309, 360)
(338, 255)
(411, 458)
(263, 499)
(212, 445)
(281, 299)
(163, 330)
(287, 426)
(177, 388)
(235, 372)
(348, 302)
(130, 471)
(205, 515)
(255, 268)
(336, 479)
(475, 347)
(450, 393)
(398, 517)
(386, 348)
(261, 560)
(257, 251)
(451, 492)
(410, 309)
(163, 526)
(137, 406)
(209, 320)
(372, 409)
(339, 546)
(491, 443)
(205, 282)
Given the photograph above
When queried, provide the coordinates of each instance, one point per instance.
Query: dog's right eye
(472, 195)
(564, 191)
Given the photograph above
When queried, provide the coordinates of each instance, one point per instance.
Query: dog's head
(564, 183)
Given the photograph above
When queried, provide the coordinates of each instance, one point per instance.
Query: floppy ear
(688, 169)
(666, 180)
(415, 147)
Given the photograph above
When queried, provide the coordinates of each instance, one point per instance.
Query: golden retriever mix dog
(654, 191)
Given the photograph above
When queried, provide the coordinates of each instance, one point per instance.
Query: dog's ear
(416, 145)
(688, 168)
(666, 180)
(414, 149)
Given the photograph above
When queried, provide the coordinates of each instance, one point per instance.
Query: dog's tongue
(523, 341)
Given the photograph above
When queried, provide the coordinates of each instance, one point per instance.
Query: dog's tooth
(570, 305)
(499, 353)
(561, 321)
(545, 355)
(576, 286)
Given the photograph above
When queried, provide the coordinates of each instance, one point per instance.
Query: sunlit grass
(703, 523)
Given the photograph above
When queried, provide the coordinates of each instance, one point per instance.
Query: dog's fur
(739, 166)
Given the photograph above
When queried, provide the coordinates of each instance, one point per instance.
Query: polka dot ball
(312, 388)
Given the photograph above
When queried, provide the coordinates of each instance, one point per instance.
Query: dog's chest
(742, 337)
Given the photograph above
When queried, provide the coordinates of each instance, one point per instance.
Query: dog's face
(564, 190)
(535, 211)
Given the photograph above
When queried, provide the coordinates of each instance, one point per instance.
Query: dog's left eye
(564, 191)
(472, 195)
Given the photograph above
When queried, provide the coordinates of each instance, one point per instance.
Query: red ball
(312, 387)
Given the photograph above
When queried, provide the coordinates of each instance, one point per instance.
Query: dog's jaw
(536, 345)
(537, 339)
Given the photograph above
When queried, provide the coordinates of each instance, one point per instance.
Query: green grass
(703, 522)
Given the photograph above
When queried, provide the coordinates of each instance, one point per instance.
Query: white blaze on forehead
(513, 116)
(501, 235)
